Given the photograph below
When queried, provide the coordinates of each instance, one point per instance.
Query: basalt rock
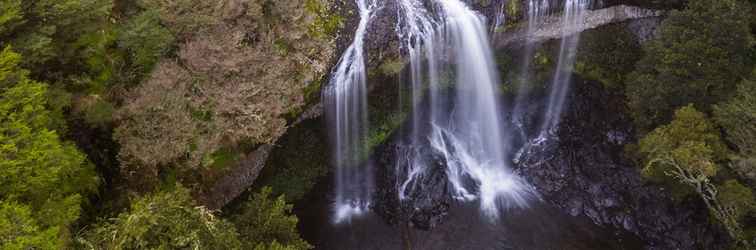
(581, 169)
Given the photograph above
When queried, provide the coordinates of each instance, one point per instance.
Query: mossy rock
(300, 159)
(608, 54)
(534, 78)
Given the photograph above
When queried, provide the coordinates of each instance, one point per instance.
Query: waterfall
(572, 16)
(465, 131)
(416, 29)
(345, 103)
(536, 11)
(456, 114)
(499, 17)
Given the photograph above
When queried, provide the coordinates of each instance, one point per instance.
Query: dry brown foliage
(232, 82)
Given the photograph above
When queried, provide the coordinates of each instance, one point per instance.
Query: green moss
(379, 134)
(484, 3)
(540, 71)
(299, 161)
(312, 91)
(392, 66)
(326, 23)
(513, 9)
(199, 114)
(282, 47)
(222, 158)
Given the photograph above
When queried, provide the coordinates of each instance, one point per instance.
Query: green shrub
(698, 56)
(266, 223)
(39, 172)
(164, 220)
(608, 54)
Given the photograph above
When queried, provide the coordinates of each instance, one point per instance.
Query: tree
(698, 56)
(233, 82)
(48, 176)
(163, 220)
(186, 17)
(18, 230)
(265, 223)
(45, 31)
(685, 152)
(145, 39)
(738, 118)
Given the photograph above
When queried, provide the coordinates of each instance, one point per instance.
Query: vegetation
(698, 57)
(686, 152)
(212, 98)
(738, 118)
(164, 220)
(607, 54)
(300, 161)
(149, 72)
(44, 180)
(116, 116)
(265, 223)
(695, 63)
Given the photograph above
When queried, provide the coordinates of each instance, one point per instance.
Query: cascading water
(416, 28)
(536, 10)
(346, 109)
(465, 131)
(572, 16)
(499, 17)
(455, 84)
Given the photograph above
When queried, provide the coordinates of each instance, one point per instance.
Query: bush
(685, 153)
(145, 39)
(608, 54)
(690, 142)
(43, 179)
(699, 54)
(738, 118)
(164, 220)
(265, 223)
(18, 230)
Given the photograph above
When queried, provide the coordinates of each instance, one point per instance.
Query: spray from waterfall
(573, 14)
(345, 99)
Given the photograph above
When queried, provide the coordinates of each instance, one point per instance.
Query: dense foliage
(165, 220)
(44, 180)
(738, 118)
(181, 90)
(686, 152)
(209, 99)
(265, 223)
(172, 220)
(698, 57)
(72, 72)
(695, 67)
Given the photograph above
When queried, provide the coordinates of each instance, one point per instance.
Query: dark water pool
(538, 227)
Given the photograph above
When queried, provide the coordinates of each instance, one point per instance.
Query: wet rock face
(580, 170)
(583, 172)
(422, 207)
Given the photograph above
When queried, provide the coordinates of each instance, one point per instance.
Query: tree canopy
(50, 177)
(164, 220)
(699, 55)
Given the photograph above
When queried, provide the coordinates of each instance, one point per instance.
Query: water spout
(345, 99)
(573, 15)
